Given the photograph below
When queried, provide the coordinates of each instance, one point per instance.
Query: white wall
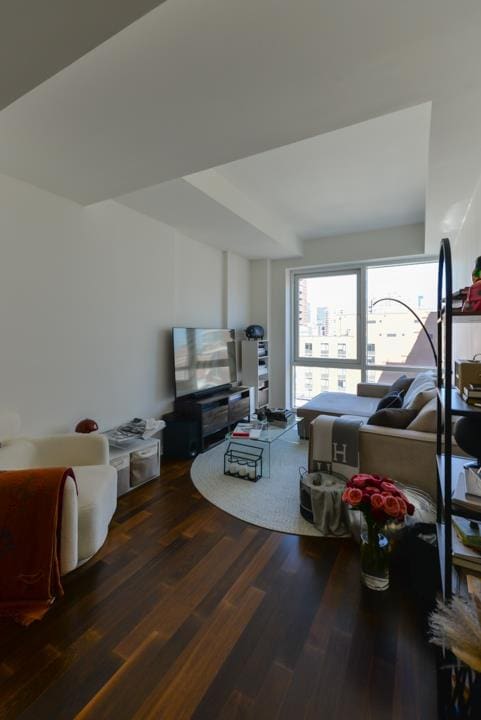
(465, 248)
(88, 297)
(404, 241)
(453, 202)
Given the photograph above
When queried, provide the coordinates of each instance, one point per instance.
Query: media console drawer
(239, 410)
(216, 412)
(214, 419)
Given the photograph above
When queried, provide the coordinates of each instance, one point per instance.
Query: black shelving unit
(448, 465)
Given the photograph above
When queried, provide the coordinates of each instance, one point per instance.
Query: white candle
(233, 468)
(242, 470)
(252, 473)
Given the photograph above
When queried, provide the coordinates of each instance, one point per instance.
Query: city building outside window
(338, 328)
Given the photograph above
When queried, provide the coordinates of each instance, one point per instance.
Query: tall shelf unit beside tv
(255, 369)
(450, 405)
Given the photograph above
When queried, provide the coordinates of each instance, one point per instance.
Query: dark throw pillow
(391, 400)
(401, 385)
(398, 418)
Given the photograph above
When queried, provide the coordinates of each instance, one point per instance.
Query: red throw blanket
(30, 530)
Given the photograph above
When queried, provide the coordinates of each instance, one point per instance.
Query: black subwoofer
(180, 437)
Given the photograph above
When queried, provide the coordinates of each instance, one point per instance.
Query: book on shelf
(461, 498)
(472, 394)
(463, 556)
(468, 532)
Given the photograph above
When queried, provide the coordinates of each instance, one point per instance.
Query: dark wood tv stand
(215, 413)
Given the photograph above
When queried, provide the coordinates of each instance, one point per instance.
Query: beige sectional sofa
(407, 455)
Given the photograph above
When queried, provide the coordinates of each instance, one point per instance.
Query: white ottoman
(97, 500)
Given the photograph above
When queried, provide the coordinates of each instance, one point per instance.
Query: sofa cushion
(421, 398)
(390, 400)
(399, 418)
(338, 403)
(426, 418)
(97, 500)
(402, 384)
(335, 403)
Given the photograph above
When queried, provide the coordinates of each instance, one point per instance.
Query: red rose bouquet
(377, 498)
(380, 501)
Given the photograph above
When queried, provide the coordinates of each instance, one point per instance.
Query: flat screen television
(204, 360)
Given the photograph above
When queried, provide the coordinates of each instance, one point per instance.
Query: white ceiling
(191, 86)
(203, 218)
(370, 175)
(367, 176)
(38, 39)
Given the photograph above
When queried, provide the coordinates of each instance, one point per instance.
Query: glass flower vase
(374, 557)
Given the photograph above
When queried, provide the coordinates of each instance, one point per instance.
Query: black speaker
(180, 437)
(254, 332)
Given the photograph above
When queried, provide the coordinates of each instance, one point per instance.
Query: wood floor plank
(169, 615)
(187, 612)
(186, 683)
(237, 707)
(271, 696)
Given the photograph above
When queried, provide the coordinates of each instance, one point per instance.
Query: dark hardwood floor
(187, 612)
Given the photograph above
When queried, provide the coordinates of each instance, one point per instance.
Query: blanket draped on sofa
(30, 532)
(336, 445)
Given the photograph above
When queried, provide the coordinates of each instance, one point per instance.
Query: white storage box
(144, 464)
(122, 465)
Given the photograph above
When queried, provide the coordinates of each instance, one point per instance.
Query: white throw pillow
(425, 420)
(421, 399)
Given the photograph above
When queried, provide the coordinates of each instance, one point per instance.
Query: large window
(343, 334)
(327, 315)
(394, 332)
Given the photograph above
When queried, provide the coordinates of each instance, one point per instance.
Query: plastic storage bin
(144, 464)
(122, 465)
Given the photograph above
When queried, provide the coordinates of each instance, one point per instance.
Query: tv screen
(203, 359)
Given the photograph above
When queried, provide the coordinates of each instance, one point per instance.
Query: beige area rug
(273, 502)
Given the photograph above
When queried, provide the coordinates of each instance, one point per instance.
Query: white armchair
(86, 517)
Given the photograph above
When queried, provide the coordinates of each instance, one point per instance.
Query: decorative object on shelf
(86, 426)
(425, 330)
(466, 372)
(278, 414)
(472, 302)
(379, 501)
(468, 531)
(473, 481)
(242, 462)
(476, 274)
(467, 433)
(254, 332)
(261, 414)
